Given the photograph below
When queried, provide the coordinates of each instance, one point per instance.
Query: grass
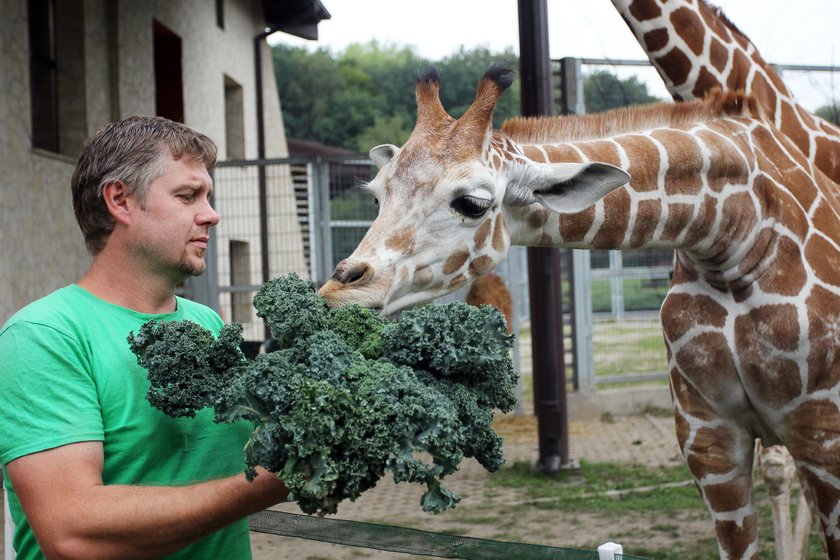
(606, 490)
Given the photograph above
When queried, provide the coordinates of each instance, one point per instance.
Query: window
(57, 75)
(220, 13)
(234, 120)
(169, 82)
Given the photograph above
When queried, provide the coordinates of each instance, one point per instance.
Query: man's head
(133, 151)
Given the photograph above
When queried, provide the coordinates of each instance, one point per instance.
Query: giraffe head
(445, 200)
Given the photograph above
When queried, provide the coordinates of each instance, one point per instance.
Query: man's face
(174, 221)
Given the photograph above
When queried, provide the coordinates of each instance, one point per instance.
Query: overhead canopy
(295, 17)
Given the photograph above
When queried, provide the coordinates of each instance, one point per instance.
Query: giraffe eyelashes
(471, 206)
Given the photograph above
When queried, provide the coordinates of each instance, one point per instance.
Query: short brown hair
(135, 151)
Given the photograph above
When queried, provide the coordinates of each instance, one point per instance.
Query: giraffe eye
(471, 206)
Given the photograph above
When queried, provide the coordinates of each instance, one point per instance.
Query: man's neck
(124, 285)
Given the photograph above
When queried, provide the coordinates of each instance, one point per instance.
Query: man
(92, 470)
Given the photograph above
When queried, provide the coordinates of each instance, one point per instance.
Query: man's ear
(564, 188)
(115, 195)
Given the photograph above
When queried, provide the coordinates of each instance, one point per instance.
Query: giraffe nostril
(356, 274)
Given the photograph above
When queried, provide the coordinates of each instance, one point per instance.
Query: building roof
(295, 17)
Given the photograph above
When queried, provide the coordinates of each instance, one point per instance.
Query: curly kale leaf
(345, 395)
(461, 342)
(292, 308)
(186, 364)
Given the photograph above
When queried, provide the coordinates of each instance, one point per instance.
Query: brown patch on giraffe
(740, 66)
(786, 275)
(563, 153)
(684, 162)
(647, 218)
(537, 218)
(601, 150)
(644, 10)
(728, 165)
(759, 336)
(706, 81)
(681, 312)
(616, 219)
(679, 215)
(823, 334)
(824, 260)
(458, 282)
(712, 451)
(481, 233)
(574, 227)
(735, 538)
(782, 205)
(703, 222)
(728, 496)
(644, 161)
(708, 362)
(810, 426)
(481, 266)
(655, 40)
(691, 28)
(791, 127)
(455, 261)
(691, 403)
(825, 155)
(499, 233)
(718, 55)
(824, 493)
(423, 276)
(714, 23)
(683, 428)
(401, 242)
(764, 93)
(676, 65)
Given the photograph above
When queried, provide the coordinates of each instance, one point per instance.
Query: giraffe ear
(564, 188)
(382, 154)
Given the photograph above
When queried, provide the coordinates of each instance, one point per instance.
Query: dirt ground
(492, 513)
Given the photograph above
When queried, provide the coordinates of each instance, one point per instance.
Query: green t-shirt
(67, 375)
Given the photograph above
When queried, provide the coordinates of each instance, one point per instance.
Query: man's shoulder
(199, 313)
(49, 309)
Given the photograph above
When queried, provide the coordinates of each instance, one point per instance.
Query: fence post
(617, 284)
(318, 187)
(582, 320)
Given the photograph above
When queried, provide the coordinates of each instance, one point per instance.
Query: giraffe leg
(814, 443)
(719, 455)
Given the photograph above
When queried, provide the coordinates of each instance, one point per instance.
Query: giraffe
(696, 48)
(753, 313)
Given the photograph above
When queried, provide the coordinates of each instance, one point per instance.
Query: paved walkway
(644, 439)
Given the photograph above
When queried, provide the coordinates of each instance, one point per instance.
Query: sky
(784, 31)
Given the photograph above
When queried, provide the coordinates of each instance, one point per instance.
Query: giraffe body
(752, 319)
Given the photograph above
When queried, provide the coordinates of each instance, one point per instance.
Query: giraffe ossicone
(752, 318)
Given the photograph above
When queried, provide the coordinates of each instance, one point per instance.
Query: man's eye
(471, 206)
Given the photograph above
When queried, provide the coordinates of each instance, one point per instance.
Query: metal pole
(544, 264)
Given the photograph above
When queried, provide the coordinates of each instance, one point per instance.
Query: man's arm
(74, 515)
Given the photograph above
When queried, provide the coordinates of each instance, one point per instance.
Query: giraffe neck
(696, 49)
(691, 190)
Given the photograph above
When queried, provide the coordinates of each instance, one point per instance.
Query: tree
(830, 112)
(603, 90)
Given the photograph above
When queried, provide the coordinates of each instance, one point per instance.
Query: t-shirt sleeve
(47, 395)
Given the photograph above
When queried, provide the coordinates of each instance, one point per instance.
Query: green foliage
(830, 112)
(348, 395)
(604, 90)
(363, 96)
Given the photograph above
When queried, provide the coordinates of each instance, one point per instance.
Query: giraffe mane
(718, 11)
(569, 128)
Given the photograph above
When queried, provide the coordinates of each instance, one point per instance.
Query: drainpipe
(261, 174)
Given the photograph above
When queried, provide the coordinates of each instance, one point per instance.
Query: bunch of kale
(348, 394)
